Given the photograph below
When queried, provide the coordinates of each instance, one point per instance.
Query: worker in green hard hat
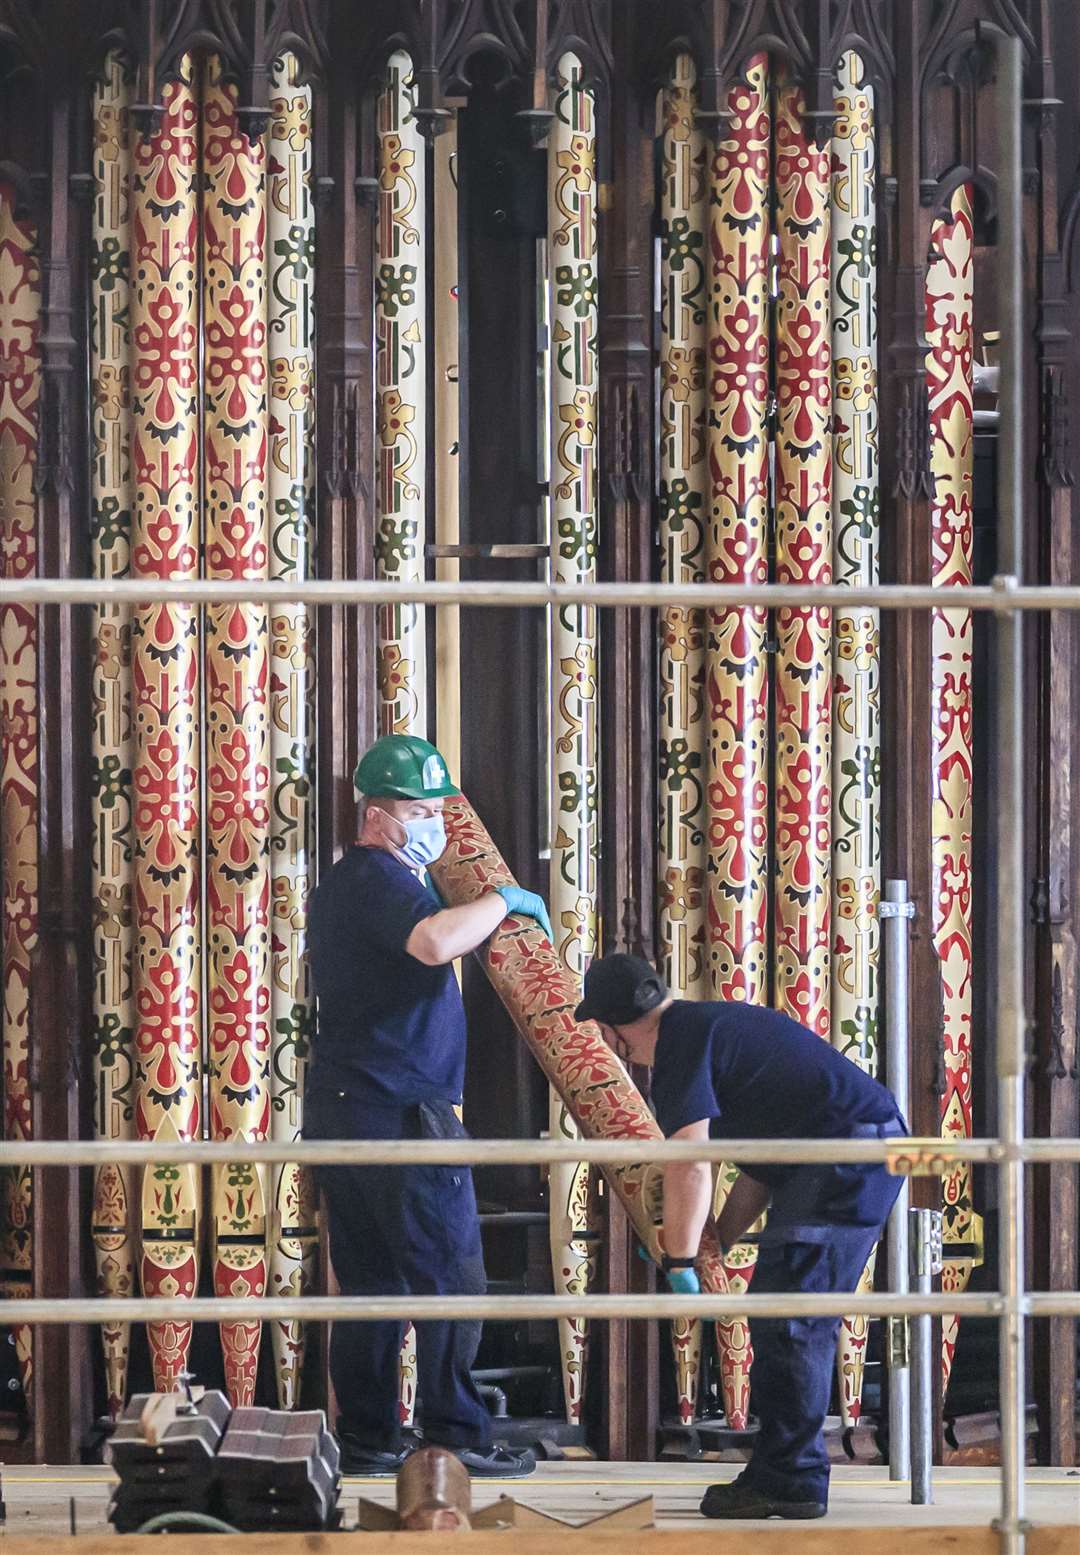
(389, 1063)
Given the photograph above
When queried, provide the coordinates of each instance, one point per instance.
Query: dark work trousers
(804, 1248)
(396, 1231)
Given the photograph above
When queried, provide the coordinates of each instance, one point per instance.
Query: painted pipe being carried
(540, 996)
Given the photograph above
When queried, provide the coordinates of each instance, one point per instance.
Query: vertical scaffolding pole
(1011, 895)
(925, 1249)
(896, 912)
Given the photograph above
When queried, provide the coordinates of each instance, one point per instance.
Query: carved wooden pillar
(60, 977)
(906, 635)
(627, 636)
(343, 260)
(1055, 1077)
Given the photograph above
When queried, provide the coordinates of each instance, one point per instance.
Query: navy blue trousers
(396, 1231)
(802, 1249)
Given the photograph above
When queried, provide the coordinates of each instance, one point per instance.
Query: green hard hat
(403, 766)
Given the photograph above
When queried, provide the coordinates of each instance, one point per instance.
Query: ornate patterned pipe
(401, 349)
(290, 219)
(950, 335)
(856, 728)
(737, 665)
(165, 702)
(540, 996)
(803, 795)
(111, 501)
(237, 706)
(20, 389)
(681, 673)
(575, 750)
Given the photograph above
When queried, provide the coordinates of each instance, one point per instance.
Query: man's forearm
(747, 1201)
(456, 930)
(687, 1202)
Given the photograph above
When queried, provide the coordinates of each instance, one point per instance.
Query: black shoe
(496, 1462)
(739, 1499)
(369, 1461)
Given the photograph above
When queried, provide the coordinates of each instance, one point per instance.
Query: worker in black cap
(740, 1071)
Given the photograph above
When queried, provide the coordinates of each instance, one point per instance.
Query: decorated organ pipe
(290, 247)
(856, 723)
(401, 347)
(681, 819)
(111, 503)
(737, 674)
(539, 995)
(166, 693)
(572, 268)
(237, 670)
(950, 336)
(803, 793)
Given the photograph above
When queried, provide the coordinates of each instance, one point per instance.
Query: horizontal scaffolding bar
(377, 1309)
(925, 1156)
(1003, 594)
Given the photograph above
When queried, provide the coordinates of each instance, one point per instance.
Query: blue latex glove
(528, 905)
(683, 1282)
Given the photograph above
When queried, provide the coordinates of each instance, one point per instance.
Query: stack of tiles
(165, 1465)
(277, 1469)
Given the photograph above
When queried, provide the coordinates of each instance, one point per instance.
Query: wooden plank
(745, 1539)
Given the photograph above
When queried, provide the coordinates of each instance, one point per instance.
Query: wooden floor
(47, 1501)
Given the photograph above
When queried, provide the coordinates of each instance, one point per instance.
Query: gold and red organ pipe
(803, 793)
(290, 238)
(111, 502)
(950, 336)
(856, 724)
(237, 707)
(681, 820)
(737, 687)
(574, 840)
(165, 676)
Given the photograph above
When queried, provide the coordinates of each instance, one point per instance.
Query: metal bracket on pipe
(927, 1243)
(918, 1163)
(887, 909)
(898, 1342)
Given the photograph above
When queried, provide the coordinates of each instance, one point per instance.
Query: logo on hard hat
(434, 773)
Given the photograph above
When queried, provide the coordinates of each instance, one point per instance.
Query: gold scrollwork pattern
(290, 238)
(572, 263)
(681, 820)
(950, 336)
(401, 345)
(856, 724)
(111, 502)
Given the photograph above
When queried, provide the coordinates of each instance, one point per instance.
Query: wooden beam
(760, 1539)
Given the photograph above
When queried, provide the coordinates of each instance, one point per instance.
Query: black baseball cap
(620, 989)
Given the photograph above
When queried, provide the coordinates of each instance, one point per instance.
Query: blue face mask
(425, 841)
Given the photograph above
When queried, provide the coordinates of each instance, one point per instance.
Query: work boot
(740, 1499)
(496, 1462)
(357, 1457)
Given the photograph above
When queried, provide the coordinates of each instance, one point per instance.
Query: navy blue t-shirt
(757, 1074)
(389, 1027)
